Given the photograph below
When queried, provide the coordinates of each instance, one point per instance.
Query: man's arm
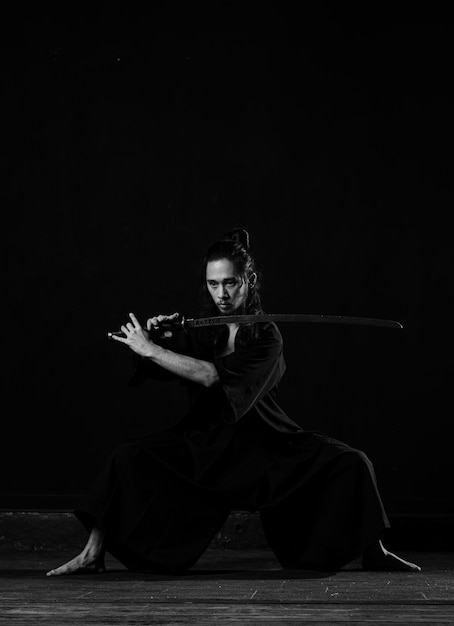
(195, 370)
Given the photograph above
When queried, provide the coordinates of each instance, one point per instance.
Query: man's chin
(225, 310)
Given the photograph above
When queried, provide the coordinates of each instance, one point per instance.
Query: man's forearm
(195, 370)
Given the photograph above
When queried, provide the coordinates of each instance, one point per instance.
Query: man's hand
(188, 367)
(155, 323)
(136, 337)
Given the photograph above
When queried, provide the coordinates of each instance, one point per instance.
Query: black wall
(132, 136)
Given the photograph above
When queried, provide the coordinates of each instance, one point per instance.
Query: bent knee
(358, 458)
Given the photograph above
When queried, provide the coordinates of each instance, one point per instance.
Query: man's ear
(252, 279)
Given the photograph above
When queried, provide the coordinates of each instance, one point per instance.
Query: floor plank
(221, 613)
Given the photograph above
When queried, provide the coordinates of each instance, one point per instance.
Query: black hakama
(161, 499)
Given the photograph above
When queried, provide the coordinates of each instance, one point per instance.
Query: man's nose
(223, 292)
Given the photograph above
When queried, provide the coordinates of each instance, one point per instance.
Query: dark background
(133, 134)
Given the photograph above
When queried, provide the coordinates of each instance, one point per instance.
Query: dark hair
(235, 247)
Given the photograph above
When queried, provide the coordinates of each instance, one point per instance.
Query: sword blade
(290, 318)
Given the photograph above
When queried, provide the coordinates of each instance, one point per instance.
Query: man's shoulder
(269, 330)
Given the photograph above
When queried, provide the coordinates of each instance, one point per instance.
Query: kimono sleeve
(250, 372)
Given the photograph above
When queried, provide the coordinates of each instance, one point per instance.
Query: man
(160, 500)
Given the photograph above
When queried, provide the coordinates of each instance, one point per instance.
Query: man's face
(227, 288)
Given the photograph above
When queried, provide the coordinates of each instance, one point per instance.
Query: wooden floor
(225, 587)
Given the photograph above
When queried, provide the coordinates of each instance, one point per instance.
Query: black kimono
(161, 499)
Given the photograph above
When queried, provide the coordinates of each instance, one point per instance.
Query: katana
(183, 323)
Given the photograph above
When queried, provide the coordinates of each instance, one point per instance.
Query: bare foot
(377, 558)
(83, 562)
(91, 559)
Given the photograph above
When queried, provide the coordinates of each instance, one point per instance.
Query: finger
(150, 323)
(135, 321)
(154, 324)
(167, 318)
(120, 339)
(130, 327)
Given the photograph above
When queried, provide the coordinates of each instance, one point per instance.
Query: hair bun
(240, 235)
